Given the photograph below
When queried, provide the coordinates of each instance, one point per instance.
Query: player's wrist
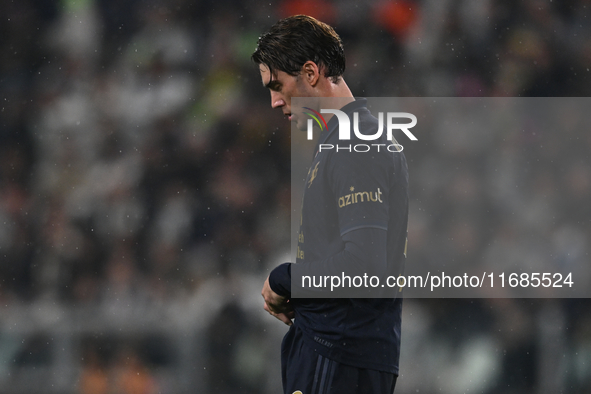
(280, 280)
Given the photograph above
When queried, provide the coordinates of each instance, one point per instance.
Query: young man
(336, 345)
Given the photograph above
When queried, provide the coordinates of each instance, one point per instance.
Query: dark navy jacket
(354, 213)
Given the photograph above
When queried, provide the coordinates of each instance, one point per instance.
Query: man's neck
(337, 96)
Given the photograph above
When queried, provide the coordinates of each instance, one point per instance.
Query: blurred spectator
(131, 376)
(94, 379)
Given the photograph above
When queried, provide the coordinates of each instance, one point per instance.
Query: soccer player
(336, 345)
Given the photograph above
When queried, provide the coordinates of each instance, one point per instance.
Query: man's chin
(300, 125)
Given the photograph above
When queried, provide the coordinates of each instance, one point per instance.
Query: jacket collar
(333, 123)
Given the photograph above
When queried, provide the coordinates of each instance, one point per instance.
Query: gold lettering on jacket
(358, 197)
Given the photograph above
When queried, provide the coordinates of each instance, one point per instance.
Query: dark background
(145, 191)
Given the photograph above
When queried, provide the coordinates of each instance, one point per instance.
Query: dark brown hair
(293, 41)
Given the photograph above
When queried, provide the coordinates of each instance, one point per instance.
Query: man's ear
(311, 72)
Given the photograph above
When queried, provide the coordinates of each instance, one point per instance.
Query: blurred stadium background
(145, 191)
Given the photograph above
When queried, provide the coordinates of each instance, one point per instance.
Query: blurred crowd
(140, 160)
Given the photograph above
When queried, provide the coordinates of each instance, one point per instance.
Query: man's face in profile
(283, 87)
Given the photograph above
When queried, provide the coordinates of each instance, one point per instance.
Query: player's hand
(277, 305)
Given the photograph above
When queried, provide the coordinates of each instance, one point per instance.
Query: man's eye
(275, 87)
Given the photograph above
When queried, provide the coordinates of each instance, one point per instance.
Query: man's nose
(276, 100)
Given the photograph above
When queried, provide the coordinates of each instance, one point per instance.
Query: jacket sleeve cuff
(280, 280)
